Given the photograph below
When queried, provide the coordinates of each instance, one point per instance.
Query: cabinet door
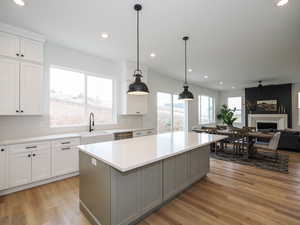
(19, 168)
(3, 158)
(9, 86)
(125, 197)
(199, 163)
(32, 50)
(64, 160)
(41, 164)
(151, 193)
(175, 170)
(31, 82)
(137, 105)
(9, 45)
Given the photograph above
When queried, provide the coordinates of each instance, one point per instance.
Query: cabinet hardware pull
(29, 155)
(33, 155)
(65, 149)
(22, 55)
(29, 147)
(17, 54)
(17, 111)
(65, 143)
(2, 150)
(22, 111)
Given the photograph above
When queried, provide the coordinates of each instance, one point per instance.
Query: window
(178, 114)
(299, 108)
(73, 95)
(206, 109)
(236, 102)
(170, 113)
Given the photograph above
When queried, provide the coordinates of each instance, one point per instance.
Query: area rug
(264, 160)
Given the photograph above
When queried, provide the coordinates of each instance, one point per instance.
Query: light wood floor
(231, 194)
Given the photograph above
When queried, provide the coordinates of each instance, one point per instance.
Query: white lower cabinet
(41, 164)
(65, 156)
(3, 160)
(28, 163)
(23, 164)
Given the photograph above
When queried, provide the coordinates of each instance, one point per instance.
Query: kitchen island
(123, 181)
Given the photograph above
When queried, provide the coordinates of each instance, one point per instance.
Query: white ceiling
(236, 41)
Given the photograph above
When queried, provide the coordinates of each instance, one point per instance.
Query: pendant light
(138, 87)
(186, 94)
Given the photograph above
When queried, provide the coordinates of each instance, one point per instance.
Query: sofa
(289, 140)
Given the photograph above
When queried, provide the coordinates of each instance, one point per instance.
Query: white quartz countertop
(128, 154)
(67, 135)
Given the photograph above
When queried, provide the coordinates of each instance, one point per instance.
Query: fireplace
(266, 126)
(280, 120)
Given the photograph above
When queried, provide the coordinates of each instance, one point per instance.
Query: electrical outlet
(94, 162)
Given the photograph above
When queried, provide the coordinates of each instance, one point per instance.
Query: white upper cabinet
(9, 86)
(9, 45)
(131, 104)
(21, 71)
(31, 83)
(32, 50)
(21, 48)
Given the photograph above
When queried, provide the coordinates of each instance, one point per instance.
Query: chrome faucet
(92, 122)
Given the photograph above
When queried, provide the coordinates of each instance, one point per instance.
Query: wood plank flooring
(231, 194)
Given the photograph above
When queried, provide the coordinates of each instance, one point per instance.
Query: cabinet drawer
(28, 147)
(68, 142)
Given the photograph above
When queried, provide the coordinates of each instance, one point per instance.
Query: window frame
(86, 74)
(241, 110)
(172, 113)
(199, 110)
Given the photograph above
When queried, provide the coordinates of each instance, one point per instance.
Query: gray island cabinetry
(123, 181)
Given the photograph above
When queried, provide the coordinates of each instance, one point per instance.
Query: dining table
(251, 137)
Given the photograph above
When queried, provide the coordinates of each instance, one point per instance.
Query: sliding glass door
(171, 113)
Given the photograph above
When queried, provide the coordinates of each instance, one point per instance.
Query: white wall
(161, 83)
(16, 126)
(224, 95)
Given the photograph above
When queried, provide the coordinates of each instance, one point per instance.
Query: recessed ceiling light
(104, 35)
(233, 87)
(19, 2)
(190, 70)
(152, 55)
(205, 77)
(221, 82)
(282, 2)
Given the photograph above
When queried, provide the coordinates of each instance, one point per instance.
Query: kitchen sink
(96, 136)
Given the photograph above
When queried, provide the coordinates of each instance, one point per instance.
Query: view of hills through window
(73, 95)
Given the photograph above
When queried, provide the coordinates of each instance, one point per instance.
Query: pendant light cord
(185, 65)
(138, 40)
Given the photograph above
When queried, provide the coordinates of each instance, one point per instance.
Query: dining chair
(272, 146)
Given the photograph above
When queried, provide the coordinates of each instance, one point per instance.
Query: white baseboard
(38, 183)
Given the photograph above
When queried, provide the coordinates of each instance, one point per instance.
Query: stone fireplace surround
(280, 119)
